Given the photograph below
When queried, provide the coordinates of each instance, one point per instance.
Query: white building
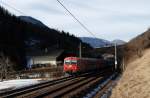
(48, 58)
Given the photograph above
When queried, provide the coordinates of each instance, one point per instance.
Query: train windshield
(68, 62)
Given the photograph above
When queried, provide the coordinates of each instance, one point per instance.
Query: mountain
(22, 35)
(96, 42)
(118, 42)
(32, 20)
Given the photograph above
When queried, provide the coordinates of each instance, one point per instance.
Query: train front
(70, 65)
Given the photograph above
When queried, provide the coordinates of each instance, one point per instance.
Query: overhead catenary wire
(76, 19)
(62, 6)
(12, 7)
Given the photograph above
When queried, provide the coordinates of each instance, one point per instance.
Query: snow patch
(13, 84)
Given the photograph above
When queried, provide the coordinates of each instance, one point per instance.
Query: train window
(67, 62)
(73, 62)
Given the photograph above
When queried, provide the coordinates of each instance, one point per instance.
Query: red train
(80, 65)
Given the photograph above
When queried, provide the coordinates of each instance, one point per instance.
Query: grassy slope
(135, 82)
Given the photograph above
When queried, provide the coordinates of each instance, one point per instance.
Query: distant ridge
(32, 20)
(118, 42)
(96, 42)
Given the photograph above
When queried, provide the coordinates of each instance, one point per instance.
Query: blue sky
(107, 19)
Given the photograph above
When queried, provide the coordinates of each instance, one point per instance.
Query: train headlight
(70, 66)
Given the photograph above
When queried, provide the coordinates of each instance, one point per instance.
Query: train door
(78, 65)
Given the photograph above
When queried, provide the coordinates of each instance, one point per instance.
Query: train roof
(77, 58)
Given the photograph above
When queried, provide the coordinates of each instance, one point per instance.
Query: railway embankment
(135, 81)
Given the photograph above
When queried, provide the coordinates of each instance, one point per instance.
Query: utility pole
(123, 66)
(115, 56)
(80, 50)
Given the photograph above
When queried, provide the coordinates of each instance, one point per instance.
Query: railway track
(78, 90)
(24, 90)
(103, 90)
(106, 88)
(63, 87)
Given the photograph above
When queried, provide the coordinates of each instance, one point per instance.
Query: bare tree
(4, 65)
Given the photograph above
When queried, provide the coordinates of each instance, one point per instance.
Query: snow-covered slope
(32, 20)
(13, 84)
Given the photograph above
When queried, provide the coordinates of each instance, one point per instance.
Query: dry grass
(135, 82)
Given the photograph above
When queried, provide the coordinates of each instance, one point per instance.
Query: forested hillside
(17, 37)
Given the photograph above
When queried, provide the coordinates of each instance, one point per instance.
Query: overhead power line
(12, 7)
(76, 19)
(62, 6)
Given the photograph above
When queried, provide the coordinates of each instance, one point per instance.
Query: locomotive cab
(75, 65)
(70, 65)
